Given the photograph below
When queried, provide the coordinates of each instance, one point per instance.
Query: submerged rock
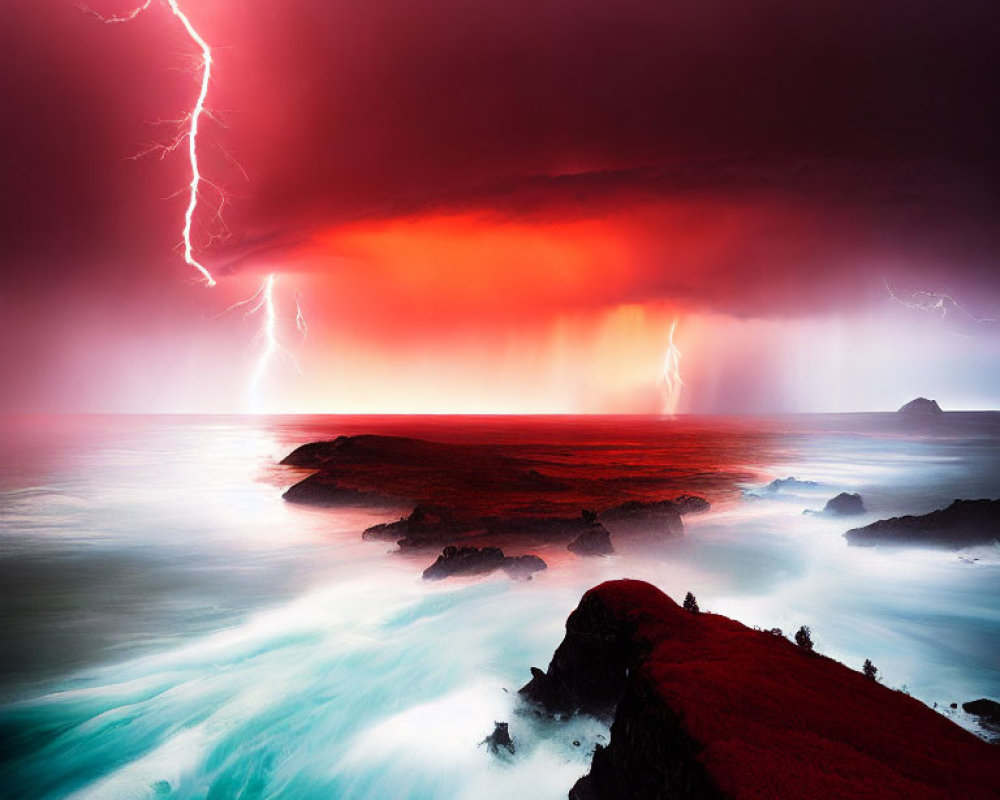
(499, 738)
(844, 505)
(965, 523)
(455, 561)
(921, 407)
(704, 707)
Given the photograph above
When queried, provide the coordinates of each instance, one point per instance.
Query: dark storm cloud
(874, 119)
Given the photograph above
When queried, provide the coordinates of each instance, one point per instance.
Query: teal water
(171, 628)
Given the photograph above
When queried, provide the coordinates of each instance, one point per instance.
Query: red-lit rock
(705, 707)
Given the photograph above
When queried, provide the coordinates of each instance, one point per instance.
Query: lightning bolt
(193, 118)
(672, 374)
(935, 303)
(262, 302)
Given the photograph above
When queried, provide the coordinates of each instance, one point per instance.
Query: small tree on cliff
(870, 670)
(690, 604)
(803, 638)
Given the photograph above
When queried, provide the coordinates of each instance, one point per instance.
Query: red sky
(502, 206)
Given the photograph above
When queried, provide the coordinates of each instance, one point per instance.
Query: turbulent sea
(170, 627)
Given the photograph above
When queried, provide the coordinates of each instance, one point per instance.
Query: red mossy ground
(777, 722)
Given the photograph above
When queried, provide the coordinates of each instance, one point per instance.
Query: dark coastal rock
(457, 561)
(844, 505)
(500, 738)
(965, 523)
(660, 519)
(704, 707)
(522, 566)
(322, 489)
(988, 711)
(921, 407)
(314, 454)
(426, 526)
(464, 561)
(594, 540)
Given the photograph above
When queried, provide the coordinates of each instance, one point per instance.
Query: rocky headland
(484, 494)
(965, 523)
(704, 707)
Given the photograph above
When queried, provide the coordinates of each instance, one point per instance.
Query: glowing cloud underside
(672, 381)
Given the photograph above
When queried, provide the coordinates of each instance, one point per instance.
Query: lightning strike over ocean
(672, 381)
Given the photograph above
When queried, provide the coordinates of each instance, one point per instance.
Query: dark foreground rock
(920, 407)
(965, 523)
(459, 561)
(844, 505)
(704, 707)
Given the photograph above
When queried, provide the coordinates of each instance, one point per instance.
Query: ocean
(172, 628)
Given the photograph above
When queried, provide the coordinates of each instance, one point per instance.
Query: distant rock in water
(921, 407)
(426, 526)
(523, 566)
(704, 707)
(594, 540)
(844, 505)
(457, 561)
(659, 519)
(464, 561)
(965, 523)
(988, 711)
(779, 485)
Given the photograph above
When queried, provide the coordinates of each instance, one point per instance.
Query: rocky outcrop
(655, 520)
(988, 712)
(965, 523)
(464, 561)
(324, 490)
(779, 486)
(523, 566)
(425, 526)
(691, 504)
(594, 540)
(844, 505)
(920, 407)
(704, 707)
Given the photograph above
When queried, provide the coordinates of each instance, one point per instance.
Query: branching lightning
(192, 119)
(267, 337)
(672, 381)
(935, 303)
(262, 301)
